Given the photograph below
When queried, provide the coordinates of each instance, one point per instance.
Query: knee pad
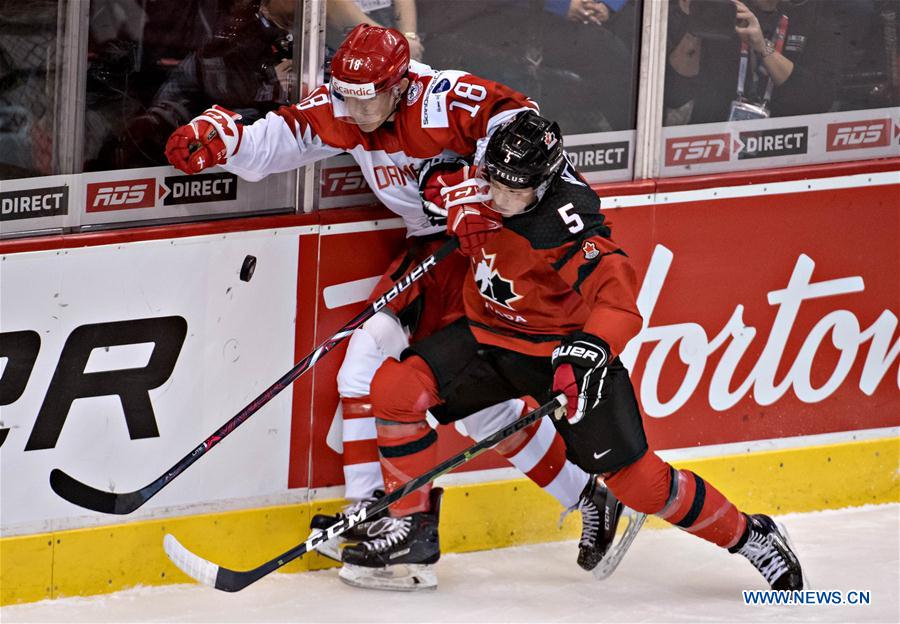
(380, 337)
(403, 391)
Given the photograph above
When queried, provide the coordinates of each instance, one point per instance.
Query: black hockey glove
(436, 174)
(579, 368)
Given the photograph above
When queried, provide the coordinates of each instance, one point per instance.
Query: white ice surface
(668, 576)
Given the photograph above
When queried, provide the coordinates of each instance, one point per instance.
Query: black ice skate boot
(768, 548)
(402, 558)
(601, 512)
(368, 529)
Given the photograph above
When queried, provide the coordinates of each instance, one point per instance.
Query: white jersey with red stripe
(442, 113)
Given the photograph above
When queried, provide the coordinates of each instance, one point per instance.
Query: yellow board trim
(104, 559)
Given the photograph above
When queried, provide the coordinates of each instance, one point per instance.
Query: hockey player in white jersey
(399, 120)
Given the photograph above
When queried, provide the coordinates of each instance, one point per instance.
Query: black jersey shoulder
(545, 226)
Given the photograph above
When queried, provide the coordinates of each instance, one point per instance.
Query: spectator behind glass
(704, 59)
(871, 69)
(574, 57)
(343, 16)
(244, 65)
(28, 72)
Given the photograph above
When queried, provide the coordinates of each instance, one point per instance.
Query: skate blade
(332, 548)
(616, 552)
(401, 577)
(787, 538)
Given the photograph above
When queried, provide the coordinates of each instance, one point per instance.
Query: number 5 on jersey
(572, 219)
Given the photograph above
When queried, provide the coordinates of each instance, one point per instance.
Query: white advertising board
(137, 353)
(780, 142)
(149, 195)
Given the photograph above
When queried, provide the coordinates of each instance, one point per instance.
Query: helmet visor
(361, 104)
(510, 201)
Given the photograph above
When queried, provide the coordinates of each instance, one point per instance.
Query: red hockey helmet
(371, 59)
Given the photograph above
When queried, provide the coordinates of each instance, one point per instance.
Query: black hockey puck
(248, 268)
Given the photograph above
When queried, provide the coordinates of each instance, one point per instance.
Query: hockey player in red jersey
(550, 303)
(400, 120)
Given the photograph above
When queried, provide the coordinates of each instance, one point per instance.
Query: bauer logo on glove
(579, 368)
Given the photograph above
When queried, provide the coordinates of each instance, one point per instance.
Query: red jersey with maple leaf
(552, 271)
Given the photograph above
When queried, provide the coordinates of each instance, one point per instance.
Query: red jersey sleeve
(596, 268)
(290, 137)
(476, 105)
(468, 109)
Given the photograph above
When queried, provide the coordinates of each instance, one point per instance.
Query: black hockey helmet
(525, 152)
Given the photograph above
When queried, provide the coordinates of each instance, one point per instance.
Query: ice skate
(601, 513)
(769, 550)
(402, 558)
(369, 529)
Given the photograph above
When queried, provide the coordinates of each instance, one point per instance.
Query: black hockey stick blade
(224, 579)
(89, 497)
(83, 495)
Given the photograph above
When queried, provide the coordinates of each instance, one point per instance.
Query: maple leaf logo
(493, 286)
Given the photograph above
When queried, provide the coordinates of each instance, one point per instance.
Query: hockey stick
(216, 576)
(86, 496)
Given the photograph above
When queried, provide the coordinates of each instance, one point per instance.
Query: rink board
(770, 305)
(474, 517)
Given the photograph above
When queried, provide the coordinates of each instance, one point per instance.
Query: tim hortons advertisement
(117, 360)
(762, 319)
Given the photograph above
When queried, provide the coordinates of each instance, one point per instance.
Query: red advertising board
(850, 135)
(771, 319)
(766, 316)
(698, 149)
(121, 195)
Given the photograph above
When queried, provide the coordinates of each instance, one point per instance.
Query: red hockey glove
(208, 140)
(579, 368)
(436, 175)
(469, 215)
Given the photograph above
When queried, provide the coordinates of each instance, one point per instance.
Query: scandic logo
(121, 195)
(698, 149)
(859, 134)
(364, 90)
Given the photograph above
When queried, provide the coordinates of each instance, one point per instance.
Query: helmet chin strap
(542, 188)
(539, 192)
(397, 95)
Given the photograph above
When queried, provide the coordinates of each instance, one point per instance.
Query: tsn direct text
(338, 181)
(698, 149)
(31, 203)
(834, 597)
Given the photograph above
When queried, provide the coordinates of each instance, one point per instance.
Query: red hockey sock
(539, 453)
(401, 393)
(697, 507)
(680, 497)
